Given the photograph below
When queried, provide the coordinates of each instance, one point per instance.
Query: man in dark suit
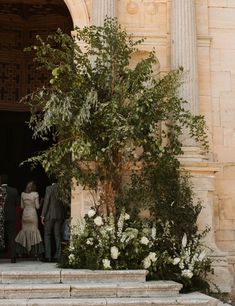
(52, 217)
(12, 200)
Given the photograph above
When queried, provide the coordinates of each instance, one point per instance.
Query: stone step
(193, 299)
(68, 276)
(90, 290)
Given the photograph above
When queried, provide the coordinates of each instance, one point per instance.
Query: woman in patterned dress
(29, 241)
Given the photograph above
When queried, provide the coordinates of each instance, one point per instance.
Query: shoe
(13, 260)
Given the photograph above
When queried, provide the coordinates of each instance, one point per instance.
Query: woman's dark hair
(30, 187)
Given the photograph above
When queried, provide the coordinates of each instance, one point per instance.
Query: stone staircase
(43, 284)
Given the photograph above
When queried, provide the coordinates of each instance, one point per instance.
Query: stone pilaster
(203, 176)
(102, 9)
(184, 54)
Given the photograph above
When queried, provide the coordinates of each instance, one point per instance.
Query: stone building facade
(200, 36)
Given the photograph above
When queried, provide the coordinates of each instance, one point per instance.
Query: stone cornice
(201, 167)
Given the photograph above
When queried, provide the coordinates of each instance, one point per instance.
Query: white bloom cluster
(90, 241)
(106, 263)
(153, 232)
(129, 234)
(71, 248)
(144, 240)
(114, 252)
(98, 221)
(126, 216)
(187, 273)
(176, 261)
(189, 259)
(147, 262)
(110, 228)
(71, 258)
(184, 241)
(120, 224)
(91, 213)
(151, 258)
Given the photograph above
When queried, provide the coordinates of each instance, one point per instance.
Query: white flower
(114, 252)
(126, 216)
(98, 221)
(120, 224)
(109, 228)
(184, 241)
(202, 255)
(71, 258)
(176, 260)
(187, 273)
(147, 262)
(89, 241)
(154, 232)
(71, 248)
(152, 256)
(181, 265)
(144, 240)
(106, 263)
(91, 213)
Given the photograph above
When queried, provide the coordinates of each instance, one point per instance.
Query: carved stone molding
(132, 7)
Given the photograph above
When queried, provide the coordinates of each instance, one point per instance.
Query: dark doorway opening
(17, 145)
(20, 22)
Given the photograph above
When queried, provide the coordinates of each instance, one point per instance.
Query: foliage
(107, 119)
(99, 109)
(167, 195)
(101, 243)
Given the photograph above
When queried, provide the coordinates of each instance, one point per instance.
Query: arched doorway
(20, 22)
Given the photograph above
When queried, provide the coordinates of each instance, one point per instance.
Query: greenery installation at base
(117, 129)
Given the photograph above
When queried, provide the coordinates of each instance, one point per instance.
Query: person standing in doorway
(52, 217)
(12, 200)
(29, 241)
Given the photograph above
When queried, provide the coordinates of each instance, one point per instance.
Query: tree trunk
(107, 198)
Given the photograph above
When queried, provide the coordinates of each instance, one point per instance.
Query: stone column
(184, 53)
(102, 9)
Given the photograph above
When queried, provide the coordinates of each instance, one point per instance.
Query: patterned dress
(28, 240)
(2, 219)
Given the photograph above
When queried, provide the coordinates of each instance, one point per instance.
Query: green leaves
(97, 108)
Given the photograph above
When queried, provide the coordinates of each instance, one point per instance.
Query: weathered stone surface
(27, 291)
(44, 277)
(186, 300)
(69, 276)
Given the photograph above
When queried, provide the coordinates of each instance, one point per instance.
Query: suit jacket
(12, 200)
(53, 207)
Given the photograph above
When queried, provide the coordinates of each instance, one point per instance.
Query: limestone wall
(221, 24)
(216, 68)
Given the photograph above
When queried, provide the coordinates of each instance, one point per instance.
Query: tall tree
(104, 115)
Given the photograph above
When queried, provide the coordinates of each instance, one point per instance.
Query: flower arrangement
(191, 263)
(103, 243)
